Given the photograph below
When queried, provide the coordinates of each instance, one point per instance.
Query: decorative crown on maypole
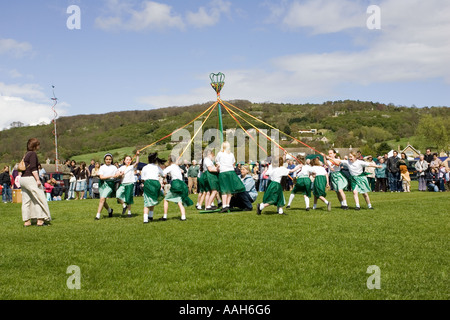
(217, 82)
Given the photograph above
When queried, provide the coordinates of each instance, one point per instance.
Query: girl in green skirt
(228, 179)
(338, 180)
(274, 193)
(153, 193)
(320, 183)
(107, 175)
(179, 192)
(201, 189)
(210, 180)
(302, 184)
(125, 192)
(358, 179)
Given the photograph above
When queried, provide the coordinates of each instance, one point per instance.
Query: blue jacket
(249, 183)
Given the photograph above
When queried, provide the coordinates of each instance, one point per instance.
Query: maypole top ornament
(217, 81)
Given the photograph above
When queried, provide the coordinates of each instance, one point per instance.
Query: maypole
(217, 83)
(55, 100)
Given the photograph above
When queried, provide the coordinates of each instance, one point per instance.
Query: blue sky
(138, 55)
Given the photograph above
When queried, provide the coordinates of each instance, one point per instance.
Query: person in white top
(358, 180)
(107, 175)
(337, 179)
(274, 193)
(125, 192)
(153, 193)
(210, 178)
(178, 192)
(228, 179)
(320, 183)
(303, 183)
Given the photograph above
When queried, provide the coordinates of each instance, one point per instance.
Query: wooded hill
(371, 126)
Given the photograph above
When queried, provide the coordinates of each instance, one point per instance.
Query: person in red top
(34, 202)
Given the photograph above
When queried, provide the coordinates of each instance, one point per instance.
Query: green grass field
(237, 256)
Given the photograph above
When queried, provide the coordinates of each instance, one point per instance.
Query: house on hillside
(410, 151)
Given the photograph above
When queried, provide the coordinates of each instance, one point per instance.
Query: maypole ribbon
(198, 130)
(287, 135)
(152, 144)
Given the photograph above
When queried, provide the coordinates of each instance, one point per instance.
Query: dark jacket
(392, 164)
(5, 178)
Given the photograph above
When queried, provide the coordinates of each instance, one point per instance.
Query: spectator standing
(371, 173)
(422, 168)
(393, 172)
(436, 162)
(432, 180)
(34, 203)
(193, 171)
(428, 157)
(5, 181)
(380, 176)
(90, 181)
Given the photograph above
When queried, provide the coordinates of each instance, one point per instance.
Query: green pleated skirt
(211, 181)
(319, 186)
(360, 183)
(179, 192)
(303, 186)
(153, 194)
(338, 181)
(125, 193)
(274, 195)
(230, 183)
(106, 188)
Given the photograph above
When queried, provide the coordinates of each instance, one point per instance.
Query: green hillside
(362, 124)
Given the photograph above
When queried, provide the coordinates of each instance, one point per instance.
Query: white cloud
(15, 48)
(210, 16)
(152, 15)
(27, 104)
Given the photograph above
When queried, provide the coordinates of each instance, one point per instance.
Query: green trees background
(371, 126)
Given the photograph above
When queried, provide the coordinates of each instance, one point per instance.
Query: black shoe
(307, 209)
(219, 204)
(287, 207)
(371, 208)
(358, 208)
(344, 207)
(213, 208)
(258, 209)
(162, 219)
(110, 214)
(225, 209)
(124, 210)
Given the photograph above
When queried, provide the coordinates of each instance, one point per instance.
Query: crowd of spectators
(81, 181)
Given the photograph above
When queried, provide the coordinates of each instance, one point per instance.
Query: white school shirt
(175, 172)
(333, 167)
(151, 172)
(356, 168)
(319, 170)
(276, 174)
(107, 171)
(207, 162)
(128, 174)
(305, 171)
(226, 161)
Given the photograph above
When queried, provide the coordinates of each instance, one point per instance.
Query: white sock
(307, 202)
(150, 214)
(145, 217)
(325, 201)
(261, 206)
(183, 217)
(291, 197)
(280, 210)
(370, 205)
(165, 216)
(357, 205)
(314, 206)
(129, 212)
(124, 205)
(109, 210)
(344, 203)
(98, 215)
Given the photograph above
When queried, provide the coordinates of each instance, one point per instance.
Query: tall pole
(54, 130)
(217, 83)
